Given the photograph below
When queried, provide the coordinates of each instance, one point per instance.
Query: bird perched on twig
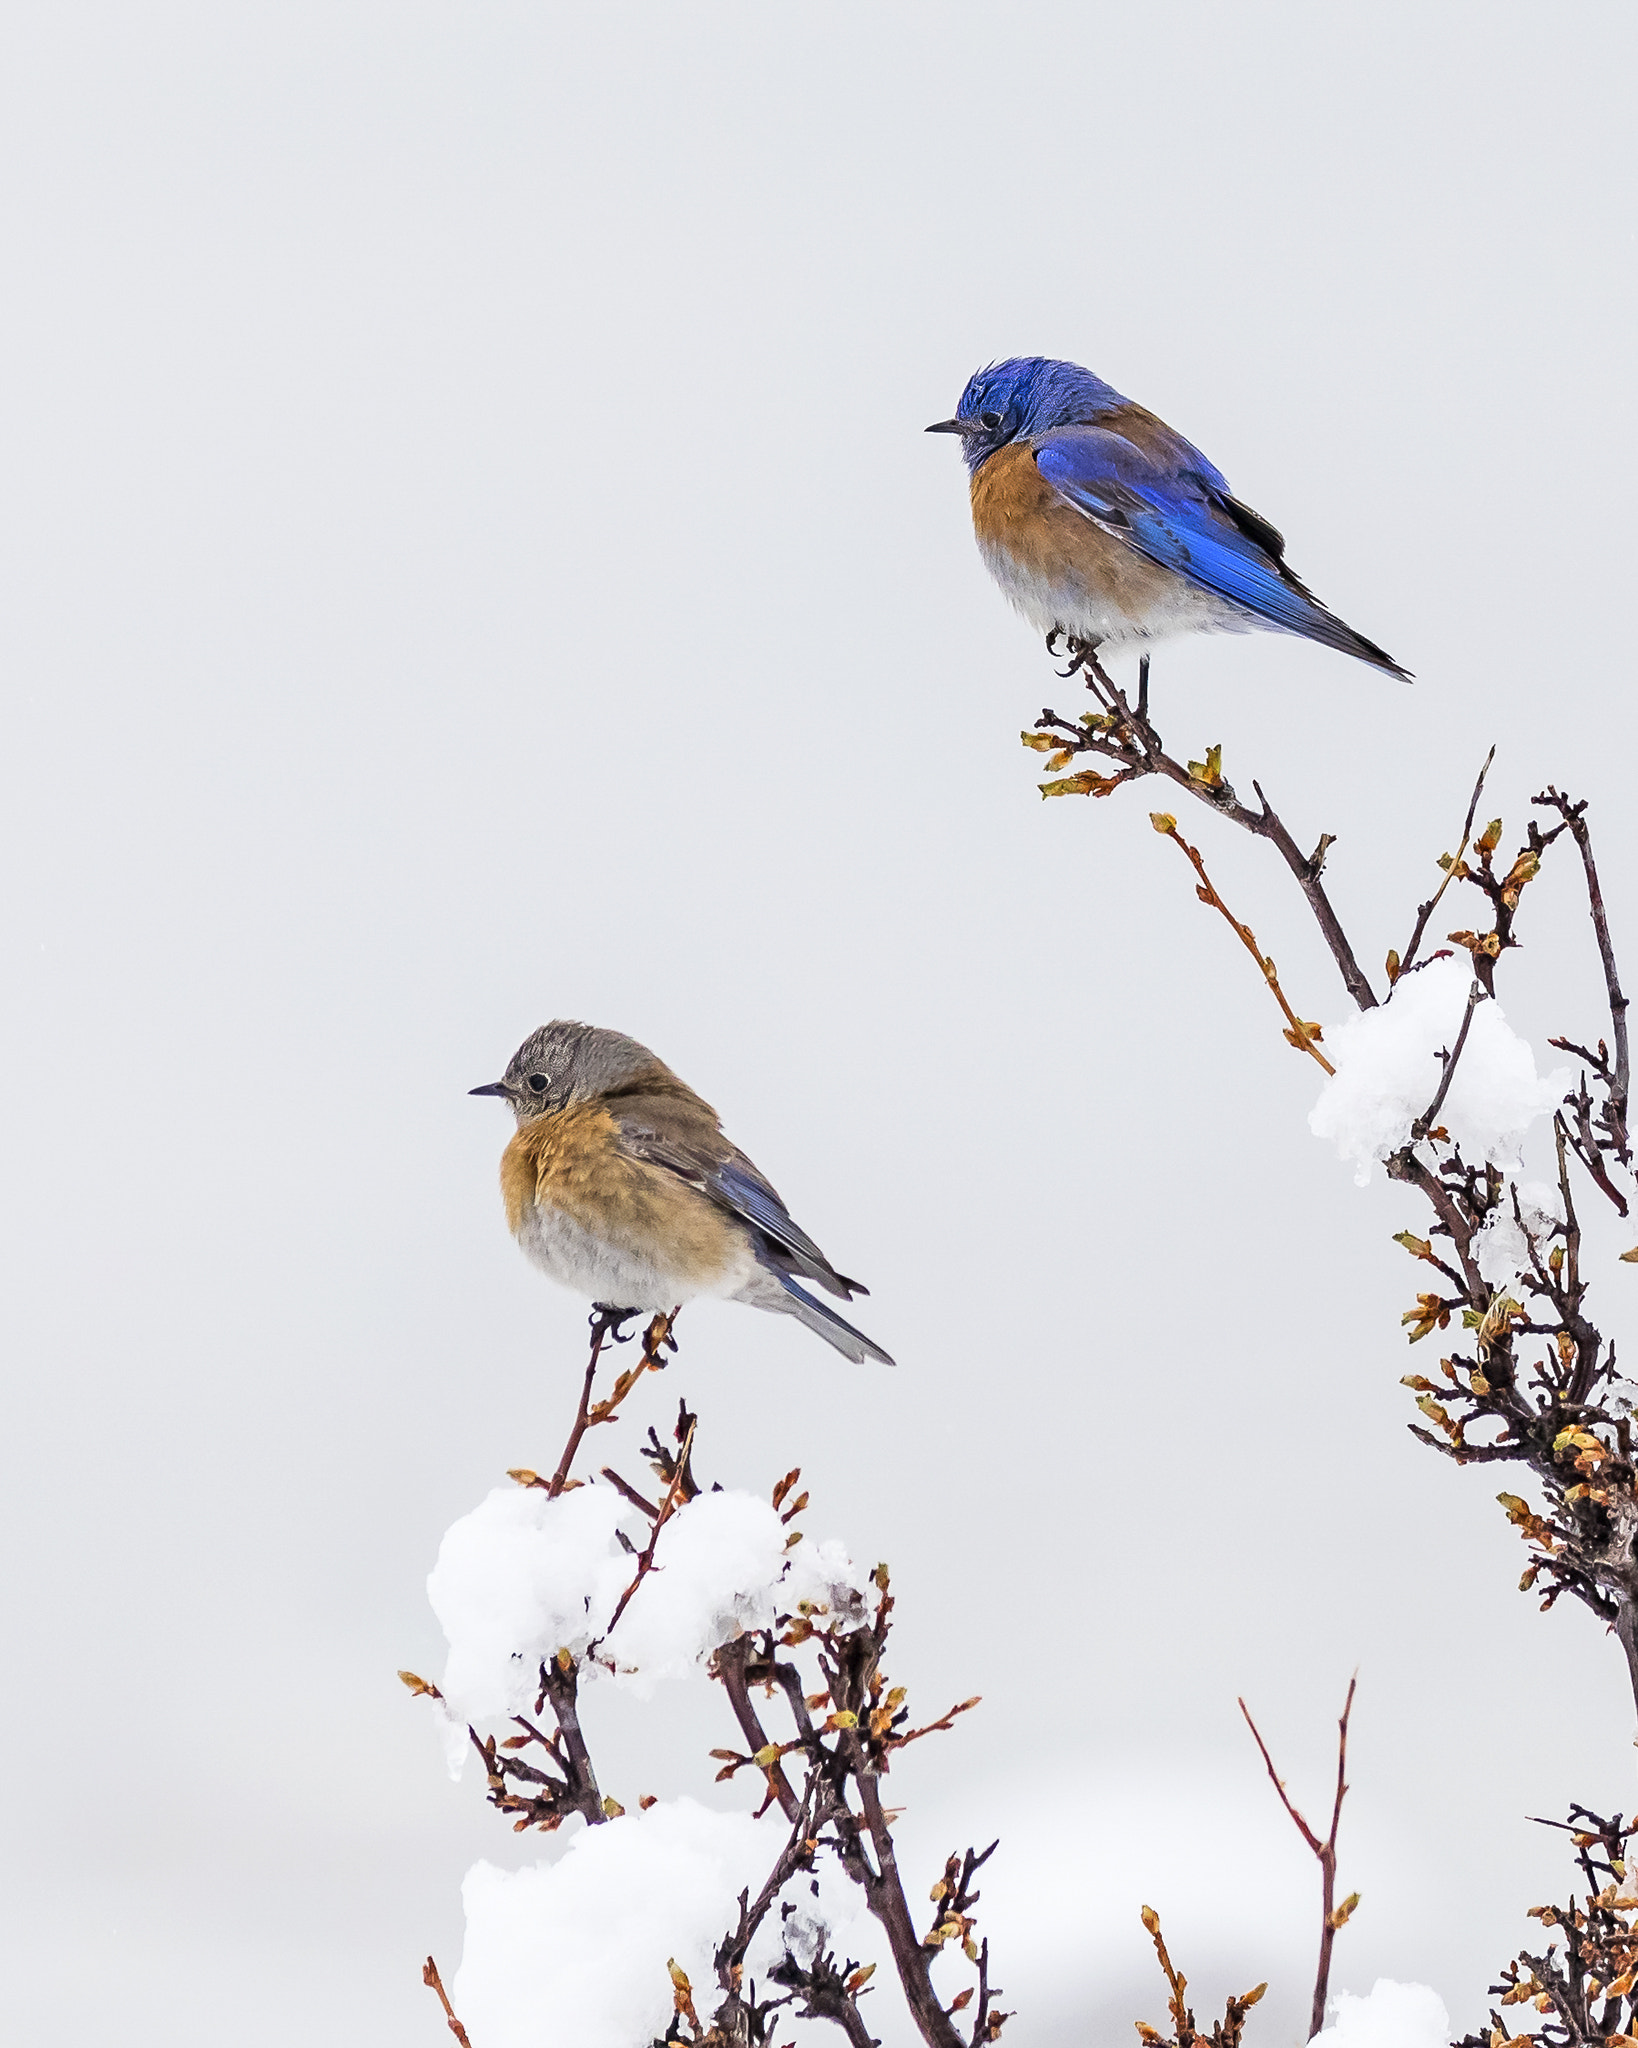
(1105, 527)
(620, 1184)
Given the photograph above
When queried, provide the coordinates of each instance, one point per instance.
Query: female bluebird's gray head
(1019, 399)
(565, 1062)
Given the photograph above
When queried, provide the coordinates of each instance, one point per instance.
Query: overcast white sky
(469, 556)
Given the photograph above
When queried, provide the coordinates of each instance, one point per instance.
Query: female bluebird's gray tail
(777, 1291)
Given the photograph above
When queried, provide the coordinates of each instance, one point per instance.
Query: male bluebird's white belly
(1110, 608)
(593, 1266)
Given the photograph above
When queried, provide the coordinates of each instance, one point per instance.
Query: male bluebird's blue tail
(1101, 523)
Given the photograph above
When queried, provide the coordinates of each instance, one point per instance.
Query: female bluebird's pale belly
(586, 1261)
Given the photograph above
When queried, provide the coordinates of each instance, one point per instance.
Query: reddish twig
(605, 1324)
(1333, 1915)
(645, 1562)
(430, 1977)
(1125, 734)
(1299, 1034)
(1397, 967)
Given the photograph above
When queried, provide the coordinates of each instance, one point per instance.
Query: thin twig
(1126, 735)
(1429, 1118)
(605, 1324)
(1301, 1035)
(645, 1563)
(1618, 1082)
(1428, 908)
(1332, 1916)
(729, 1665)
(430, 1977)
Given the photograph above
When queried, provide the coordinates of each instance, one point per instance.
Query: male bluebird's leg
(1143, 686)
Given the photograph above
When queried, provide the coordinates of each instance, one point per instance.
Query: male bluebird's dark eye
(989, 421)
(538, 1083)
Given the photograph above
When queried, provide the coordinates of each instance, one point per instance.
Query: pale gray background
(470, 555)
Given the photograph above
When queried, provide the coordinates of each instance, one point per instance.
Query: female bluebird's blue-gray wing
(683, 1136)
(1175, 509)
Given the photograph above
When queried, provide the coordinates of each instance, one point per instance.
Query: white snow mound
(523, 1577)
(1390, 2016)
(1388, 1072)
(576, 1950)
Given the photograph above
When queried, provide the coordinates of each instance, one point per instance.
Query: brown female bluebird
(620, 1184)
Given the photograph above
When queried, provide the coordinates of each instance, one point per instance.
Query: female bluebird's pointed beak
(491, 1088)
(962, 427)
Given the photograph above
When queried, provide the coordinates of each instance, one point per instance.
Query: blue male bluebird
(619, 1183)
(1103, 525)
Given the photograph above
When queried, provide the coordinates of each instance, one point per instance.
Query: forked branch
(1332, 1916)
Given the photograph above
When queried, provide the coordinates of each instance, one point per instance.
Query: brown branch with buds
(1584, 1983)
(846, 1756)
(607, 1326)
(1554, 1414)
(1226, 2032)
(1536, 1383)
(1122, 732)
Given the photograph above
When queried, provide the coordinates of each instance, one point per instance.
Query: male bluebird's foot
(1083, 655)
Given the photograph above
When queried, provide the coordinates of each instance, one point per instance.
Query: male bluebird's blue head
(1018, 399)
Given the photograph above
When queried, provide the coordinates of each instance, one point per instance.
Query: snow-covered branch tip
(553, 1588)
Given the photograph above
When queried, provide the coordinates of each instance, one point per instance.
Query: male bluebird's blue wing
(1175, 509)
(685, 1138)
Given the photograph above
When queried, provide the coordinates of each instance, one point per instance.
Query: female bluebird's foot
(607, 1323)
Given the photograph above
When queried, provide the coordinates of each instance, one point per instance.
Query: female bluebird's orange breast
(573, 1161)
(566, 1160)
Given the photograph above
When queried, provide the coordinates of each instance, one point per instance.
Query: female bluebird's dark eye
(538, 1083)
(989, 421)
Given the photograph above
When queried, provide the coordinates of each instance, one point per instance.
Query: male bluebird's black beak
(962, 427)
(490, 1088)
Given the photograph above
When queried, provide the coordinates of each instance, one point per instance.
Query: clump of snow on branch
(518, 1579)
(1391, 2016)
(1389, 1069)
(524, 1576)
(1507, 1246)
(575, 1950)
(723, 1569)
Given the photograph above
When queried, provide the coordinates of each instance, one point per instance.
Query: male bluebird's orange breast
(1017, 513)
(573, 1161)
